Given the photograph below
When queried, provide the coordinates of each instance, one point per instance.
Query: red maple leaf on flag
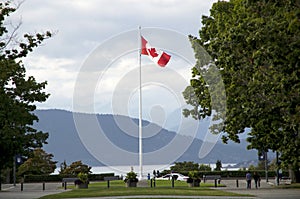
(152, 52)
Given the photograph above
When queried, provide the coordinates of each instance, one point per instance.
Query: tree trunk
(294, 174)
(297, 174)
(0, 181)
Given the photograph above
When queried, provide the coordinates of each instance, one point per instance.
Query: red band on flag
(144, 49)
(164, 59)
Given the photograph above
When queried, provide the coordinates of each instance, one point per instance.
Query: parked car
(177, 176)
(284, 180)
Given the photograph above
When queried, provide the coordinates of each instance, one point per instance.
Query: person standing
(248, 179)
(256, 178)
(154, 173)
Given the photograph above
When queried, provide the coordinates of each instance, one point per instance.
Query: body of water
(123, 170)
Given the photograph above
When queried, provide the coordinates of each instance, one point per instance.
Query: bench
(212, 177)
(69, 180)
(109, 178)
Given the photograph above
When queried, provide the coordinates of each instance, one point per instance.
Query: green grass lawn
(117, 188)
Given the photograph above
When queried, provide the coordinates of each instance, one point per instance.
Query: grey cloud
(82, 25)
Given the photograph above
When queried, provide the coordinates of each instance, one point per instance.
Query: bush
(194, 175)
(42, 178)
(83, 177)
(58, 178)
(131, 177)
(99, 177)
(232, 174)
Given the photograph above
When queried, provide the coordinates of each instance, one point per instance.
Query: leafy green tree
(252, 168)
(39, 164)
(204, 167)
(63, 166)
(261, 165)
(272, 165)
(18, 92)
(75, 168)
(218, 165)
(255, 46)
(184, 166)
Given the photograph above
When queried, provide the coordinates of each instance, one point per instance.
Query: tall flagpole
(140, 108)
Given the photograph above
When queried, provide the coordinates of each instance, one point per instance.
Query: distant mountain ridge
(65, 144)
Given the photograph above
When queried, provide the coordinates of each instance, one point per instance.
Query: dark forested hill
(65, 144)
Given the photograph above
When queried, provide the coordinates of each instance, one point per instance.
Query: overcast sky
(84, 27)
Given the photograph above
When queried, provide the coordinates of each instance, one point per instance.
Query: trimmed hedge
(100, 177)
(233, 174)
(58, 178)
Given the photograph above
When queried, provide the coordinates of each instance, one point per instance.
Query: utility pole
(263, 156)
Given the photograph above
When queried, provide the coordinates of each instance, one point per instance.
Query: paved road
(35, 190)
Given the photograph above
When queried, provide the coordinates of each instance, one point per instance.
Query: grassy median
(117, 188)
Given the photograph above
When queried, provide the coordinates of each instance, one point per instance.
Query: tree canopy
(18, 92)
(189, 166)
(204, 167)
(255, 45)
(40, 163)
(184, 166)
(74, 168)
(218, 165)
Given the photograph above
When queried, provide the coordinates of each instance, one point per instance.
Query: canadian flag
(159, 57)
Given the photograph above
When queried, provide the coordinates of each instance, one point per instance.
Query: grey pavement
(266, 191)
(30, 190)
